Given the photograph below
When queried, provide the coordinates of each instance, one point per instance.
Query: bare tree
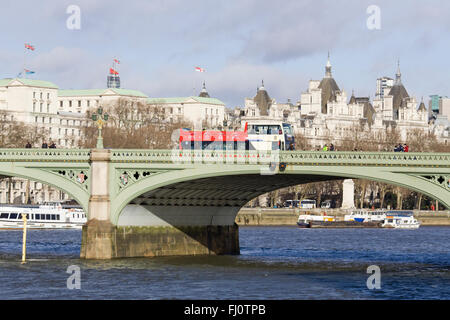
(132, 124)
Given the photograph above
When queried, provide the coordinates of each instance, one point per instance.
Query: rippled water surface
(275, 263)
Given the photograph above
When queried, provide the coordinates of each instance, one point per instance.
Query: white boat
(389, 219)
(46, 216)
(401, 222)
(366, 216)
(305, 219)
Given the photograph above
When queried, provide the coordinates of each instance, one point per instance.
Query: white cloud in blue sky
(239, 43)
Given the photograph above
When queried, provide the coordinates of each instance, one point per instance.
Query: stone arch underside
(227, 191)
(53, 180)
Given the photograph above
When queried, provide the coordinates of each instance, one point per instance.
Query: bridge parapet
(45, 155)
(252, 157)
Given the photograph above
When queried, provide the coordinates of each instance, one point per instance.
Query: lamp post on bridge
(99, 118)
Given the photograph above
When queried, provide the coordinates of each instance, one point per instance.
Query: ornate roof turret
(422, 106)
(329, 87)
(262, 100)
(328, 68)
(352, 98)
(398, 91)
(204, 93)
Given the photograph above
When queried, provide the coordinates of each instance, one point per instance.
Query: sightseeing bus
(257, 135)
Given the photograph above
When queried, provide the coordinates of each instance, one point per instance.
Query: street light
(99, 118)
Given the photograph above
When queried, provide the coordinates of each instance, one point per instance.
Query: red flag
(199, 69)
(116, 61)
(112, 71)
(29, 47)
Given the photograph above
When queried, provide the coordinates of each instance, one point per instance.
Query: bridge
(172, 202)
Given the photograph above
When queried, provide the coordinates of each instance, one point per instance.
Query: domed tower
(398, 92)
(204, 93)
(328, 86)
(262, 100)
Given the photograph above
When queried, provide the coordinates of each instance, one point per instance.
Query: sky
(238, 42)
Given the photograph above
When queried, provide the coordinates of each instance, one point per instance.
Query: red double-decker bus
(213, 139)
(257, 135)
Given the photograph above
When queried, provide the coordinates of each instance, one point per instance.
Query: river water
(275, 263)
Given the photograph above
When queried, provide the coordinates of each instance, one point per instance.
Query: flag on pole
(198, 69)
(112, 71)
(116, 61)
(29, 46)
(28, 71)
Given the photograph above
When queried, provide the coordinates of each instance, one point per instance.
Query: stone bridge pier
(152, 224)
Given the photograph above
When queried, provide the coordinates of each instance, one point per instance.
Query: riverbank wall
(288, 216)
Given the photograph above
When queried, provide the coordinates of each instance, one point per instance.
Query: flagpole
(24, 57)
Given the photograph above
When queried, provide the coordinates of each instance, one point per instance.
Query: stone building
(62, 114)
(202, 111)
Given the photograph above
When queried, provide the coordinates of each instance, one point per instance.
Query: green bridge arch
(293, 174)
(58, 168)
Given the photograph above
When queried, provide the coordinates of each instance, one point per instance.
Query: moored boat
(307, 220)
(46, 216)
(401, 222)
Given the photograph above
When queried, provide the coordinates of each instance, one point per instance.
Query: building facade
(326, 114)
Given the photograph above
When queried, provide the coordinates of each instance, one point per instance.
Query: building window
(41, 95)
(79, 103)
(48, 107)
(61, 104)
(34, 95)
(48, 96)
(70, 103)
(40, 108)
(89, 103)
(34, 106)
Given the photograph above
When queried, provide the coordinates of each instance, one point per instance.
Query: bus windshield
(264, 129)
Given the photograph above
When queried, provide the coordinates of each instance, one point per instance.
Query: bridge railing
(47, 155)
(235, 157)
(287, 157)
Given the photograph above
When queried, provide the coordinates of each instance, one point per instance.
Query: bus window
(264, 129)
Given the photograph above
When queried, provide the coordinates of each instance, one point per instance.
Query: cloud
(238, 42)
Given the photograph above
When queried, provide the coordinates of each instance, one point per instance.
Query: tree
(132, 124)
